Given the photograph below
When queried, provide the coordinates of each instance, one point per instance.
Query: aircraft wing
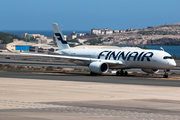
(76, 58)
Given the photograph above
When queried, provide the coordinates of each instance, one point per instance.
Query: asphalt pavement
(85, 77)
(37, 95)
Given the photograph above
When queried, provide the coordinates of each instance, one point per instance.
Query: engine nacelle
(98, 67)
(150, 70)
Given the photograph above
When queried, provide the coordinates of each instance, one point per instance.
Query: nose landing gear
(165, 74)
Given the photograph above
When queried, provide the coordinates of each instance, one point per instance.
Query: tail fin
(61, 42)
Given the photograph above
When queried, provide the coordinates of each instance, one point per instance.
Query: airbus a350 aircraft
(100, 61)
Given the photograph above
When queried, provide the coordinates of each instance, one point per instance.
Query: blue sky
(87, 14)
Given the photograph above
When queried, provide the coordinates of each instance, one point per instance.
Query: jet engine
(98, 67)
(150, 70)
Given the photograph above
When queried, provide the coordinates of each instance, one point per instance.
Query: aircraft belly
(134, 64)
(115, 66)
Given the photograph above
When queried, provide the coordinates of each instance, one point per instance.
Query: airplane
(100, 61)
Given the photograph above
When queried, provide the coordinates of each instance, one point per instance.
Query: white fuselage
(131, 58)
(100, 61)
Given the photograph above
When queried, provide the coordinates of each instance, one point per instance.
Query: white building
(101, 31)
(121, 31)
(80, 34)
(116, 31)
(96, 31)
(19, 45)
(109, 32)
(41, 39)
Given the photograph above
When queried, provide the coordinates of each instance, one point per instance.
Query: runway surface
(33, 95)
(85, 77)
(46, 95)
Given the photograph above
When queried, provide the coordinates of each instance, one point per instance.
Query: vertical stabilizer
(61, 42)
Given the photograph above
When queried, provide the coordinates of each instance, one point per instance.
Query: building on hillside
(19, 45)
(44, 40)
(65, 37)
(131, 29)
(101, 31)
(109, 32)
(28, 36)
(70, 37)
(122, 31)
(80, 34)
(41, 39)
(96, 31)
(73, 36)
(24, 35)
(115, 31)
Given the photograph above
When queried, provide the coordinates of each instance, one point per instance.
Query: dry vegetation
(158, 35)
(43, 68)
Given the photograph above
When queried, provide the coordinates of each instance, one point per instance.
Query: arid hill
(158, 35)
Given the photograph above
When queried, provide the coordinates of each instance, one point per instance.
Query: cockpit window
(167, 57)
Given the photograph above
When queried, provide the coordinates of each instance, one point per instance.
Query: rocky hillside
(158, 35)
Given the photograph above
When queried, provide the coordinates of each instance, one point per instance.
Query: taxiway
(33, 95)
(45, 95)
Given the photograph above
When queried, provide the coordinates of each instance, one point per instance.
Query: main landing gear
(92, 74)
(165, 74)
(122, 73)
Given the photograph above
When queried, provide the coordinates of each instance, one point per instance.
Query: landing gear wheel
(165, 75)
(92, 74)
(122, 73)
(117, 73)
(125, 73)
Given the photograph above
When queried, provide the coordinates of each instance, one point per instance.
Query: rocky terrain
(158, 35)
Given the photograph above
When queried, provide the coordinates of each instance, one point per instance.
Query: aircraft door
(94, 55)
(154, 59)
(154, 62)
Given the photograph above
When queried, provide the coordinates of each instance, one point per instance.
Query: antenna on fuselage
(161, 48)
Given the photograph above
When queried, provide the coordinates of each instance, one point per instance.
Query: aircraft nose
(172, 63)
